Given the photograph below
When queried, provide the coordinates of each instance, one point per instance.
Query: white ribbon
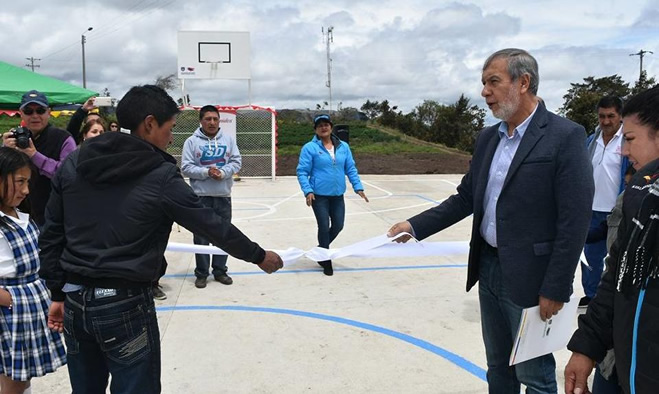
(380, 246)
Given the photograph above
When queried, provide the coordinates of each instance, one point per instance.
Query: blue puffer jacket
(318, 173)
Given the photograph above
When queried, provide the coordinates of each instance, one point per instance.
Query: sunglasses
(113, 126)
(30, 111)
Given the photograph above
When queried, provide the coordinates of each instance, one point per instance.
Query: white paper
(536, 338)
(376, 247)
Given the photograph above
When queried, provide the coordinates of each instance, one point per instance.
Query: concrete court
(376, 326)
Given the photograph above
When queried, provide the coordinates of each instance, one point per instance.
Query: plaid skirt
(29, 348)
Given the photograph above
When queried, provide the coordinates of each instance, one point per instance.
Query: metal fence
(255, 136)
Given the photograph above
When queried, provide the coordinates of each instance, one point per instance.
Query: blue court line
(453, 358)
(298, 271)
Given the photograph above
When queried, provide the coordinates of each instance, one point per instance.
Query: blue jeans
(222, 207)
(595, 254)
(330, 212)
(601, 385)
(499, 322)
(112, 334)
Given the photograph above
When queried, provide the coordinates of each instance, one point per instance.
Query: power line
(640, 54)
(99, 33)
(31, 64)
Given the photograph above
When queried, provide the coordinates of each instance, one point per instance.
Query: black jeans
(112, 331)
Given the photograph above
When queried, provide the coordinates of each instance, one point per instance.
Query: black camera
(22, 136)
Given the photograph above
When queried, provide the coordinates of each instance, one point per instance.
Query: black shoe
(224, 279)
(327, 267)
(584, 301)
(200, 282)
(158, 294)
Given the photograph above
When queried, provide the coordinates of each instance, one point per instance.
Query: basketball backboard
(213, 55)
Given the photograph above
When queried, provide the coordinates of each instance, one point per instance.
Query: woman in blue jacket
(324, 163)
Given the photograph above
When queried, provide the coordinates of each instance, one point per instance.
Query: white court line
(387, 192)
(287, 198)
(347, 214)
(271, 209)
(449, 182)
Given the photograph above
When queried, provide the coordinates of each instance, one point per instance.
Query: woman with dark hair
(93, 128)
(324, 163)
(29, 349)
(114, 126)
(624, 314)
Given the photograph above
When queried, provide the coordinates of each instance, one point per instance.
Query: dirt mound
(394, 164)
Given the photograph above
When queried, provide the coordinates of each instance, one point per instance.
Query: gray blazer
(543, 212)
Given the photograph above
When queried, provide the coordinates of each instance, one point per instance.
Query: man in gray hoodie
(210, 158)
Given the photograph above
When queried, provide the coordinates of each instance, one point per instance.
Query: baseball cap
(322, 118)
(34, 97)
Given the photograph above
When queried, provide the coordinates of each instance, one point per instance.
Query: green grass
(363, 139)
(291, 136)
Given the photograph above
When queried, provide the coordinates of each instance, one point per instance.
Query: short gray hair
(520, 62)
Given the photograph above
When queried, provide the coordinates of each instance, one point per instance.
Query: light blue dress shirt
(503, 156)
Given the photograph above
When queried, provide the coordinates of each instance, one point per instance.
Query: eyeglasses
(114, 126)
(30, 111)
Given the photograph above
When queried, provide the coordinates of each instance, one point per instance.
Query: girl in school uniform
(28, 348)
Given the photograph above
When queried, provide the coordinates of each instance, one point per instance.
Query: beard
(508, 107)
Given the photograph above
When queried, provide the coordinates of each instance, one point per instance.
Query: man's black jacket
(111, 211)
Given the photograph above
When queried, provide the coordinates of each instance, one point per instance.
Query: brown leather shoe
(224, 279)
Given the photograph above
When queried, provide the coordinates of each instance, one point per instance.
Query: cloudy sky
(402, 51)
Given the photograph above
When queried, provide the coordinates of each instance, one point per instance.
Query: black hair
(645, 106)
(207, 108)
(611, 102)
(11, 160)
(142, 101)
(93, 114)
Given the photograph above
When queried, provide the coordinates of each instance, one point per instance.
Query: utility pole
(329, 38)
(640, 54)
(84, 74)
(31, 64)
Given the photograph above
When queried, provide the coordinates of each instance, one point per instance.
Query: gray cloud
(403, 52)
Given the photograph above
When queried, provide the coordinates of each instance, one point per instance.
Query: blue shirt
(503, 156)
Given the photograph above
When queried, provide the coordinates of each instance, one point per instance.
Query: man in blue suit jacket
(530, 190)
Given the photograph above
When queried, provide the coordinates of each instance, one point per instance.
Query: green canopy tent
(15, 81)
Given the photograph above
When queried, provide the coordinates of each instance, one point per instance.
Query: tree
(643, 83)
(168, 82)
(581, 100)
(371, 109)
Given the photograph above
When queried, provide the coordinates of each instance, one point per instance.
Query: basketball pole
(249, 91)
(184, 98)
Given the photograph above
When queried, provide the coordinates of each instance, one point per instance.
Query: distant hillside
(377, 150)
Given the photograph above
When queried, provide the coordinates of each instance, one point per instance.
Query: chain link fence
(255, 131)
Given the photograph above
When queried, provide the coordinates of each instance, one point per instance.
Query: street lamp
(84, 75)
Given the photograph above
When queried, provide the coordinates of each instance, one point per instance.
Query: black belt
(98, 293)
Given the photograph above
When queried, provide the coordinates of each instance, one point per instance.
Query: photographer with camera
(46, 145)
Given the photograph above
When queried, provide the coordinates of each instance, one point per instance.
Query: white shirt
(606, 172)
(331, 152)
(503, 158)
(7, 263)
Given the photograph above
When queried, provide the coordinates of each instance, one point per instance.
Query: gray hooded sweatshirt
(200, 153)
